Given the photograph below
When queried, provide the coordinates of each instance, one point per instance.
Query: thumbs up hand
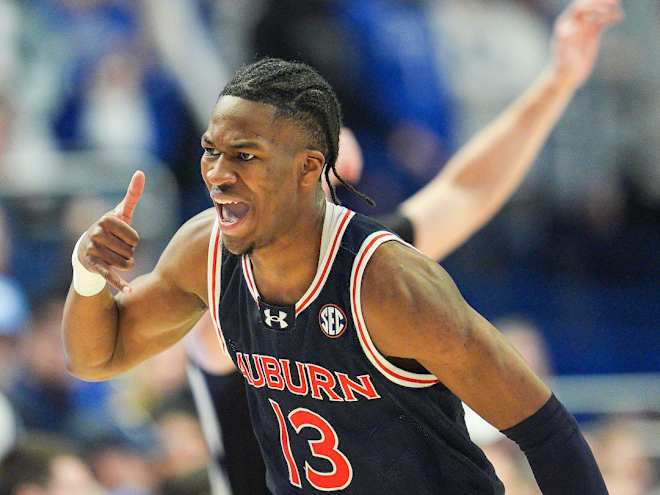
(109, 244)
(125, 209)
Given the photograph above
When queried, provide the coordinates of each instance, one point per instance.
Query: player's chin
(237, 246)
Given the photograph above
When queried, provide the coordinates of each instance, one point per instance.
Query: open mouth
(232, 213)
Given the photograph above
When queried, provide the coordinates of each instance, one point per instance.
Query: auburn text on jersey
(305, 379)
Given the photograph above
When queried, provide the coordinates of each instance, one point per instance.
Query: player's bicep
(402, 306)
(165, 304)
(157, 306)
(152, 317)
(420, 314)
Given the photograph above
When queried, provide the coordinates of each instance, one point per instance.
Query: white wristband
(85, 283)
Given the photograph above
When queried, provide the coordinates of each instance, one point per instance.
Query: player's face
(250, 166)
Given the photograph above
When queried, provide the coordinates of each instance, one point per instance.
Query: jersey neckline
(335, 222)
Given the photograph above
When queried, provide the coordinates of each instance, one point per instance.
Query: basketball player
(464, 196)
(355, 346)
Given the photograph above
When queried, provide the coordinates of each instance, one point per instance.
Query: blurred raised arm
(479, 179)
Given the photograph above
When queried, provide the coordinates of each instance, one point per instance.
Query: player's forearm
(89, 331)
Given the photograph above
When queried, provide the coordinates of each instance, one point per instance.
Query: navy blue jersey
(330, 412)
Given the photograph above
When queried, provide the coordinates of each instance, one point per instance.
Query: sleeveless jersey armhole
(390, 371)
(214, 271)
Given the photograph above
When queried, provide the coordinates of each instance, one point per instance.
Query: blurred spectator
(115, 96)
(195, 34)
(622, 454)
(184, 453)
(8, 427)
(123, 469)
(46, 465)
(526, 337)
(153, 384)
(494, 48)
(157, 392)
(114, 91)
(14, 310)
(379, 57)
(413, 104)
(8, 36)
(45, 396)
(41, 390)
(511, 467)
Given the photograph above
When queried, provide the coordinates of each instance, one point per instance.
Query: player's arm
(477, 181)
(106, 334)
(414, 311)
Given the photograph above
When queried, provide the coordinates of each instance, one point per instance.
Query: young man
(355, 346)
(464, 196)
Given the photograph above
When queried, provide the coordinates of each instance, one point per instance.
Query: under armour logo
(280, 319)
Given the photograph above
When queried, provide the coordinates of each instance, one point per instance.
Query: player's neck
(284, 269)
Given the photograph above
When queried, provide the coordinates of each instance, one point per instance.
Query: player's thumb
(125, 209)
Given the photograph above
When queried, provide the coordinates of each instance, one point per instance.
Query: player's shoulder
(397, 256)
(408, 296)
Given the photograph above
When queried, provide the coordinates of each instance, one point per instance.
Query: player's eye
(245, 157)
(210, 151)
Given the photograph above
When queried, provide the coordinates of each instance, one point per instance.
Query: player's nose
(221, 172)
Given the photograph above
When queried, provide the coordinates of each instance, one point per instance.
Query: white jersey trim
(335, 223)
(389, 370)
(214, 284)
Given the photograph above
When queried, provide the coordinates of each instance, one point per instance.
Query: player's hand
(109, 244)
(349, 160)
(577, 34)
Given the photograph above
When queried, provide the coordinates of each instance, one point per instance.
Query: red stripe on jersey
(213, 303)
(328, 263)
(247, 271)
(383, 366)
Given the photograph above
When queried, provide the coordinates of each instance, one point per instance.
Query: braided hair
(301, 94)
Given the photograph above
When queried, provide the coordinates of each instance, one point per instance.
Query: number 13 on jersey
(341, 474)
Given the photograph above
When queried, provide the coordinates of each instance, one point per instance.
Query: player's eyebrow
(245, 144)
(239, 144)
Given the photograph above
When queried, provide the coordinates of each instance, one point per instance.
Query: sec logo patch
(332, 320)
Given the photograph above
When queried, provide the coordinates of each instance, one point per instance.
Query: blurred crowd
(90, 90)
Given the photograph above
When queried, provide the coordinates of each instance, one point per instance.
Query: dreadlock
(300, 94)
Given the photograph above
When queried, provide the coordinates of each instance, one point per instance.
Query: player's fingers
(349, 160)
(114, 243)
(110, 276)
(110, 258)
(134, 192)
(113, 225)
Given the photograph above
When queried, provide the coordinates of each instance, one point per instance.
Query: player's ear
(312, 167)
